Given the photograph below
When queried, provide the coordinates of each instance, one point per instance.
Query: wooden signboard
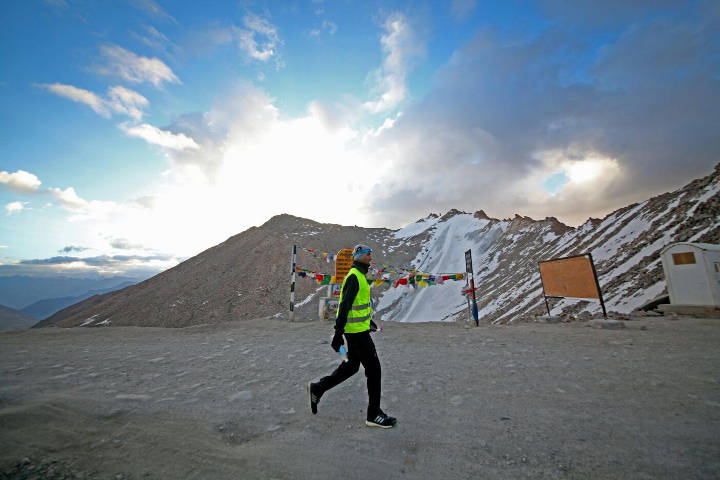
(569, 277)
(573, 277)
(343, 262)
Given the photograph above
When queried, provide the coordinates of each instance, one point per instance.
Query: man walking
(353, 320)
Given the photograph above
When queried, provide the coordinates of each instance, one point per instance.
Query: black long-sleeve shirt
(349, 292)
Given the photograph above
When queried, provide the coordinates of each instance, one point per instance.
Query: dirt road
(229, 401)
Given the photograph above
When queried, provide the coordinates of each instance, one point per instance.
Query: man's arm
(349, 292)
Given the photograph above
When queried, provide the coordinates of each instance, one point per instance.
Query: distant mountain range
(247, 276)
(46, 307)
(20, 291)
(11, 319)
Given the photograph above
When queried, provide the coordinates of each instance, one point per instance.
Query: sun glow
(589, 169)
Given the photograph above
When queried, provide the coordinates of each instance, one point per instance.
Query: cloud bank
(554, 124)
(622, 122)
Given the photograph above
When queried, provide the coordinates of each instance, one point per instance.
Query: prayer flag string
(417, 280)
(380, 269)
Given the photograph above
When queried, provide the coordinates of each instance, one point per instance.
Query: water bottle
(342, 353)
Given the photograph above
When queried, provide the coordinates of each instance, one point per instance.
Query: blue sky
(137, 133)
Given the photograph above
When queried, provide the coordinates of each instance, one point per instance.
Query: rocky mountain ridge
(247, 276)
(625, 246)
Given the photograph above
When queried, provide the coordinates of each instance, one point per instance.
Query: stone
(607, 324)
(244, 395)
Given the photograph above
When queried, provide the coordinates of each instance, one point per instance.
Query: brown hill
(247, 276)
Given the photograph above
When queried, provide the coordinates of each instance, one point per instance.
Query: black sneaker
(313, 397)
(381, 420)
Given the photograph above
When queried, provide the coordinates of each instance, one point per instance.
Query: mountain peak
(522, 218)
(453, 212)
(481, 215)
(556, 225)
(429, 217)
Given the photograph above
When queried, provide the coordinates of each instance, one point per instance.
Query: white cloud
(69, 199)
(401, 47)
(79, 95)
(387, 125)
(135, 68)
(14, 207)
(126, 101)
(125, 244)
(327, 26)
(120, 99)
(20, 181)
(259, 39)
(3, 246)
(25, 182)
(162, 138)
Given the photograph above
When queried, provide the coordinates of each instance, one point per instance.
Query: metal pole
(469, 269)
(467, 297)
(292, 283)
(597, 284)
(474, 307)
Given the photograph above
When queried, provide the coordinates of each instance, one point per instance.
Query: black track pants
(361, 349)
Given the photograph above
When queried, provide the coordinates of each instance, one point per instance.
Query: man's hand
(373, 326)
(337, 341)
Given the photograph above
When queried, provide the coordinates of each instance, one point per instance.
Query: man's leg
(373, 372)
(370, 361)
(344, 371)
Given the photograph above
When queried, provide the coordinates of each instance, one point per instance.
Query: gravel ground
(229, 401)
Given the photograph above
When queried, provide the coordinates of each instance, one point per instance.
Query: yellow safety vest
(358, 319)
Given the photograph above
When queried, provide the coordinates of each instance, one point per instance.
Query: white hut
(692, 271)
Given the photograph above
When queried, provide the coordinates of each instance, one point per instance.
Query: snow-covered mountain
(247, 276)
(625, 247)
